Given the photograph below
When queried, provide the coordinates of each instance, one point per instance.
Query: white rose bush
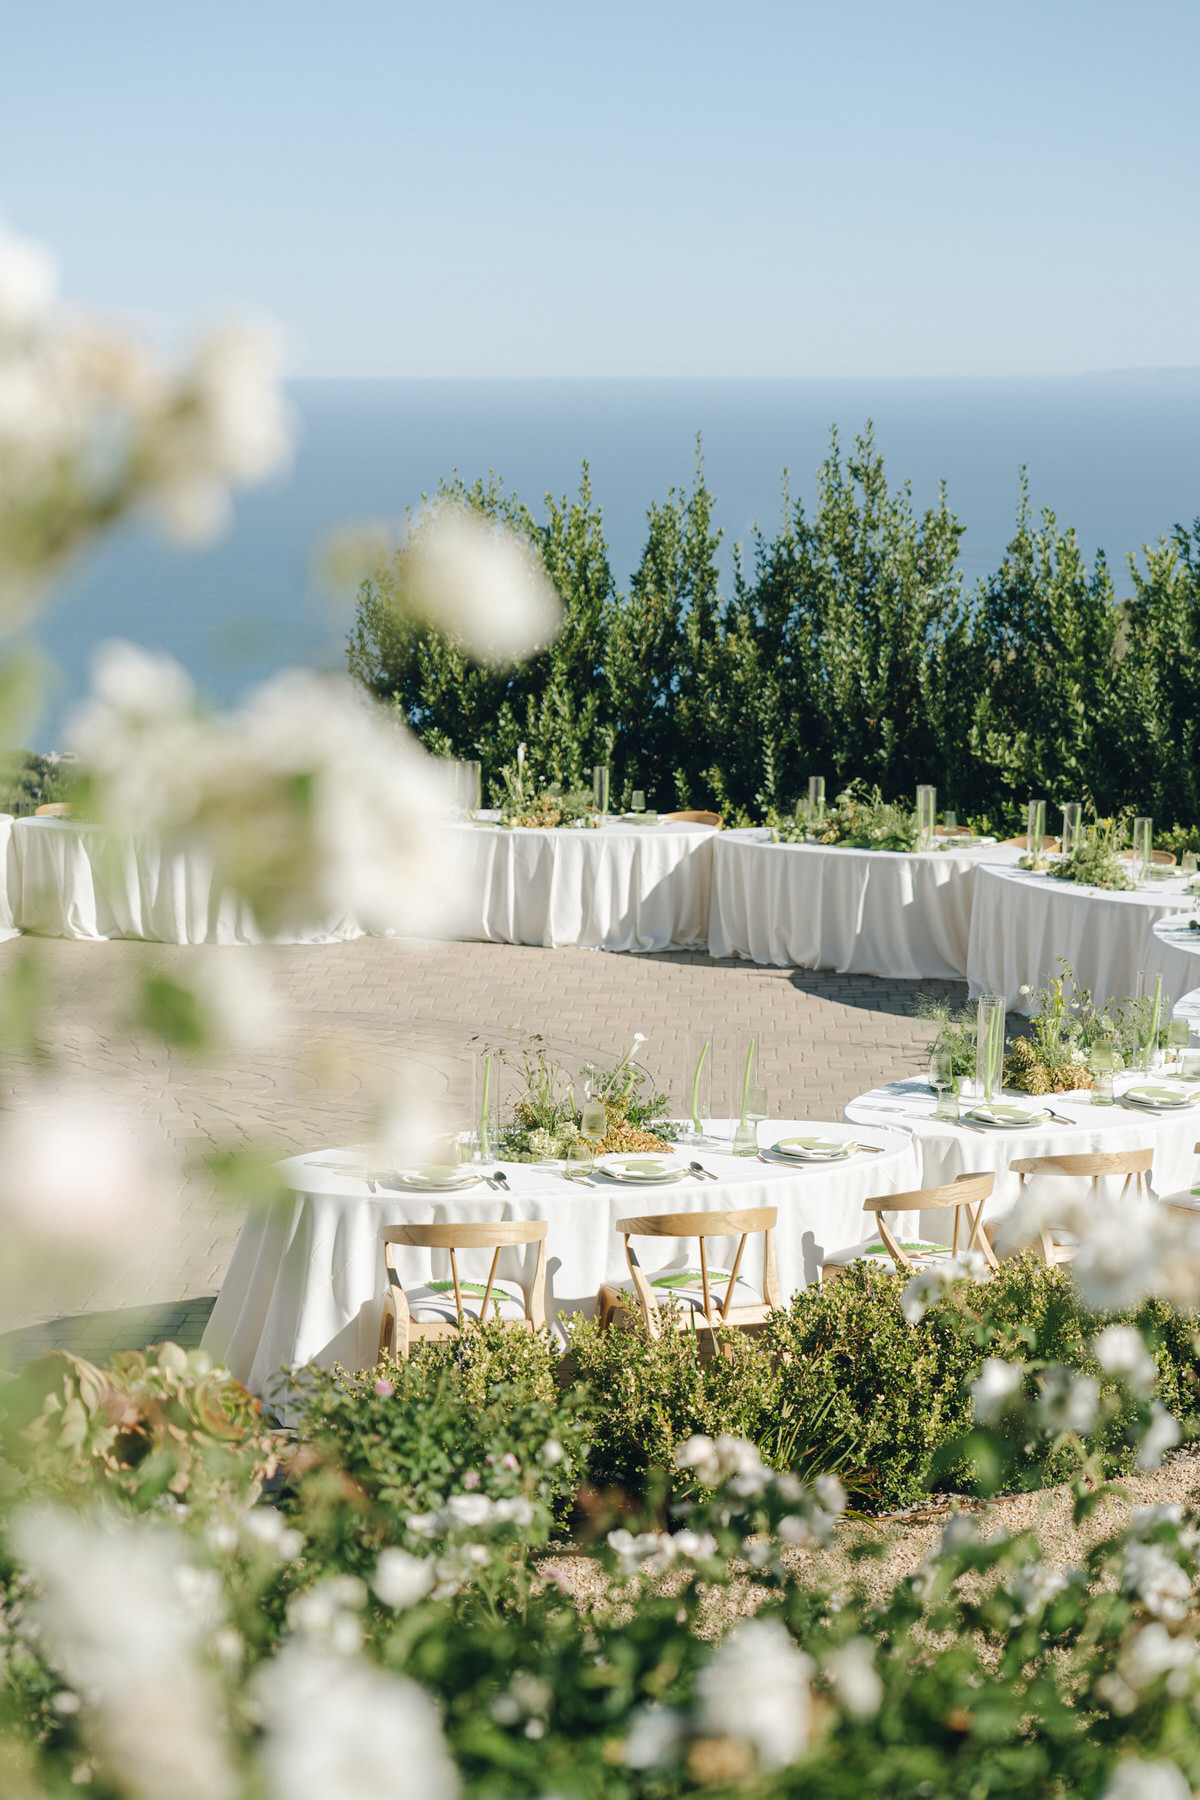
(444, 1581)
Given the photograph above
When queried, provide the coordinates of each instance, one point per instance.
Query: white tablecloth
(866, 912)
(1022, 923)
(623, 887)
(8, 923)
(1174, 953)
(946, 1151)
(78, 881)
(307, 1280)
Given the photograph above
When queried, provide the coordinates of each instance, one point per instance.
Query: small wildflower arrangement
(547, 807)
(545, 1121)
(1054, 1057)
(956, 1032)
(859, 819)
(1097, 862)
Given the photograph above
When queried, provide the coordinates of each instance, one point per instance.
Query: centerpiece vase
(989, 1046)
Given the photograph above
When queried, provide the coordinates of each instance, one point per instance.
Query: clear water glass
(950, 820)
(1187, 863)
(638, 802)
(1179, 1036)
(579, 1157)
(1100, 1061)
(1035, 827)
(600, 787)
(593, 1114)
(926, 816)
(944, 1083)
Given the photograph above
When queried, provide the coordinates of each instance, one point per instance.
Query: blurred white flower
(475, 580)
(265, 1529)
(327, 1614)
(339, 1729)
(1155, 1652)
(1127, 1250)
(81, 1170)
(1034, 1586)
(115, 1621)
(755, 1687)
(928, 1286)
(699, 1455)
(697, 1546)
(27, 281)
(1121, 1350)
(516, 1510)
(852, 1668)
(994, 1386)
(1066, 1401)
(1152, 1576)
(650, 1552)
(552, 1452)
(1134, 1779)
(400, 1579)
(655, 1735)
(959, 1531)
(1161, 1435)
(469, 1511)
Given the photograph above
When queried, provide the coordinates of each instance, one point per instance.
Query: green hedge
(848, 647)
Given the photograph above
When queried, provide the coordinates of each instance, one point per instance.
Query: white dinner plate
(640, 1171)
(1160, 1096)
(432, 1178)
(1008, 1118)
(815, 1149)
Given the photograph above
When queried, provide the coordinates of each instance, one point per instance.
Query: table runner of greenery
(848, 646)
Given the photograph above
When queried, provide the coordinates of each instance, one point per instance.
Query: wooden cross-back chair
(692, 818)
(53, 809)
(1054, 1246)
(697, 1290)
(967, 1194)
(441, 1309)
(1022, 842)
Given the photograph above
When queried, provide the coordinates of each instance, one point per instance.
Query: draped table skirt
(1022, 924)
(1174, 953)
(307, 1278)
(863, 912)
(622, 887)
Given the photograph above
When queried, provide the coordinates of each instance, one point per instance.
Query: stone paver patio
(350, 1010)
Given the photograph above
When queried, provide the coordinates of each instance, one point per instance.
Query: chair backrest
(1022, 842)
(1165, 859)
(746, 1222)
(495, 1235)
(965, 1193)
(692, 818)
(54, 809)
(1090, 1165)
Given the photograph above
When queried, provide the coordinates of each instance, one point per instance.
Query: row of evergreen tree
(848, 647)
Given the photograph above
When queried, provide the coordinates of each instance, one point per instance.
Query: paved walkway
(350, 1013)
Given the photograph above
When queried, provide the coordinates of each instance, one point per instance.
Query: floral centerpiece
(524, 805)
(859, 819)
(1054, 1055)
(1095, 862)
(544, 1120)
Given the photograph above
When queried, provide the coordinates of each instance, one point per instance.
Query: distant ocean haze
(1117, 456)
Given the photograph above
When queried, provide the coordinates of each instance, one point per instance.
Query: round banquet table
(865, 912)
(1022, 923)
(621, 887)
(306, 1281)
(8, 923)
(1174, 953)
(947, 1151)
(72, 880)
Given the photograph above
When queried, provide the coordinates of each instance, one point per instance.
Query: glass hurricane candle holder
(600, 788)
(697, 1086)
(816, 798)
(1143, 847)
(926, 816)
(989, 1046)
(1072, 826)
(1035, 827)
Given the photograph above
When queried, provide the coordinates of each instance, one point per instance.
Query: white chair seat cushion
(432, 1303)
(687, 1286)
(874, 1250)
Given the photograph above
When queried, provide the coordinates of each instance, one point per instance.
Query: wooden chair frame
(966, 1194)
(692, 818)
(1086, 1164)
(747, 1222)
(1021, 843)
(398, 1329)
(54, 809)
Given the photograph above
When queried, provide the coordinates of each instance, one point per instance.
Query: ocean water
(1115, 455)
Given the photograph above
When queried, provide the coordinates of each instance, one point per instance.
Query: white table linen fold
(8, 885)
(307, 1281)
(621, 887)
(866, 912)
(1023, 923)
(1174, 953)
(946, 1151)
(72, 880)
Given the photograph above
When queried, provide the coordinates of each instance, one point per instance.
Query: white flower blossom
(79, 1167)
(401, 1579)
(469, 1511)
(327, 1614)
(697, 1546)
(1155, 1652)
(755, 1687)
(339, 1729)
(1152, 1576)
(960, 1531)
(516, 1511)
(699, 1455)
(655, 1735)
(929, 1285)
(1161, 1435)
(265, 1528)
(852, 1669)
(475, 580)
(1134, 1779)
(650, 1552)
(1034, 1586)
(552, 1452)
(115, 1622)
(994, 1386)
(1068, 1402)
(1121, 1350)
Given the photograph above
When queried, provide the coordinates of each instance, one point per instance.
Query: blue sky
(670, 188)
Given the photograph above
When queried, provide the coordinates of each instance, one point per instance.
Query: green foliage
(847, 646)
(1097, 862)
(28, 780)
